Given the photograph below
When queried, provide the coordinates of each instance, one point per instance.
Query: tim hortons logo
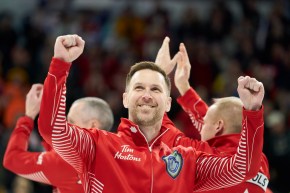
(126, 153)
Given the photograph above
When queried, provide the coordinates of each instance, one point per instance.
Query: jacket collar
(225, 143)
(130, 129)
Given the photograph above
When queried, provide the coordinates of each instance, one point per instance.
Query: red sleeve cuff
(58, 66)
(26, 123)
(189, 96)
(259, 113)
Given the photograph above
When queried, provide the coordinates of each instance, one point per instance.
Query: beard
(143, 117)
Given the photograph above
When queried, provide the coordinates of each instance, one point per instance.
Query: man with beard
(138, 158)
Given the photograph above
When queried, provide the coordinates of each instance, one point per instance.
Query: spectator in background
(8, 39)
(278, 150)
(22, 185)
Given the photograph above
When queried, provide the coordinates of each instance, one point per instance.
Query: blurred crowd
(221, 45)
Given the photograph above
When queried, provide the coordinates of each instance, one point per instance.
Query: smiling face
(147, 97)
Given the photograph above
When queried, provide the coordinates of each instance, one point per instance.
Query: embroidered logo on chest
(174, 163)
(127, 154)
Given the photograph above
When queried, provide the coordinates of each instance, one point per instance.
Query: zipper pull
(150, 148)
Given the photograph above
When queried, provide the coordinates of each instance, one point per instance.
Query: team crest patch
(174, 163)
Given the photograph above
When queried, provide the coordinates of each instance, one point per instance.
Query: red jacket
(126, 162)
(46, 167)
(224, 145)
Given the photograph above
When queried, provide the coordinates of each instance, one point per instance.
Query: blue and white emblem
(174, 163)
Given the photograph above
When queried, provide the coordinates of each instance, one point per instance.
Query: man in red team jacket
(219, 125)
(48, 167)
(138, 158)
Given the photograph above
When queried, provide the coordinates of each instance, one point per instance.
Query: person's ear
(125, 100)
(95, 124)
(219, 127)
(168, 104)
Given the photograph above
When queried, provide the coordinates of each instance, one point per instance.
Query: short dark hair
(98, 109)
(147, 65)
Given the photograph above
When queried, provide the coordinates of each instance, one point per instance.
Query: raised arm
(17, 158)
(74, 145)
(219, 172)
(36, 166)
(163, 59)
(190, 101)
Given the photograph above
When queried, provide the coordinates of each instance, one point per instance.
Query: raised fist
(251, 92)
(68, 47)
